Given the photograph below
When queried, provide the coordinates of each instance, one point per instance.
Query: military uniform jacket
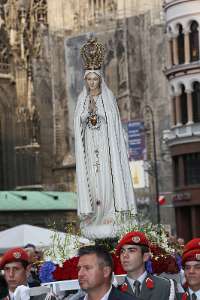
(153, 288)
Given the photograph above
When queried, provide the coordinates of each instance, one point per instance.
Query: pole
(149, 110)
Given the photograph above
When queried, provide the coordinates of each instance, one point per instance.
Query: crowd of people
(95, 273)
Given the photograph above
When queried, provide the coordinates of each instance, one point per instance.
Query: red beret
(133, 238)
(191, 251)
(14, 254)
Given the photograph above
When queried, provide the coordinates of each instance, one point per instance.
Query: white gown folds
(103, 175)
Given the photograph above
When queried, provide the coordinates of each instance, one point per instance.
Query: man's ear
(28, 269)
(146, 256)
(107, 271)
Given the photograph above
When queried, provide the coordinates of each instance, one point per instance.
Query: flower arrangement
(164, 255)
(62, 261)
(62, 249)
(61, 258)
(67, 271)
(156, 233)
(46, 271)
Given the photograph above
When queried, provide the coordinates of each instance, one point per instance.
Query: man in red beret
(191, 265)
(15, 264)
(133, 250)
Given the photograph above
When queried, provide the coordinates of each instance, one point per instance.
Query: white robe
(103, 176)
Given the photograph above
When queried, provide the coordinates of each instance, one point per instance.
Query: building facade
(55, 210)
(7, 112)
(183, 137)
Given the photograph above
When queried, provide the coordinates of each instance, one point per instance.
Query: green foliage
(156, 233)
(109, 244)
(63, 248)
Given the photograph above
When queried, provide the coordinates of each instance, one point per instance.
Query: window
(183, 103)
(186, 169)
(174, 120)
(176, 171)
(97, 6)
(194, 41)
(196, 101)
(171, 51)
(4, 51)
(181, 51)
(192, 168)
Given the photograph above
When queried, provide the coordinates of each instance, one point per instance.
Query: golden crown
(92, 54)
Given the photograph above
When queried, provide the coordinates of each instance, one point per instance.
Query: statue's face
(93, 82)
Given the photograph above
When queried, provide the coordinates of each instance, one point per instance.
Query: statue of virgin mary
(104, 184)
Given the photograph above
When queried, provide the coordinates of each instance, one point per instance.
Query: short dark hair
(144, 249)
(3, 287)
(100, 251)
(24, 263)
(29, 245)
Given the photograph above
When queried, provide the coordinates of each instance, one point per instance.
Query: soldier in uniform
(191, 265)
(16, 267)
(133, 250)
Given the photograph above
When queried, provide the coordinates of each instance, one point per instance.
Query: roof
(21, 235)
(31, 200)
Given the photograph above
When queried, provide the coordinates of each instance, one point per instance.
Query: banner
(135, 140)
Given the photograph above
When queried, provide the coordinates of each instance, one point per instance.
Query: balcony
(182, 69)
(182, 134)
(166, 2)
(169, 3)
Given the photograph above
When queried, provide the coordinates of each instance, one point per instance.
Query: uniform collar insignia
(149, 283)
(124, 287)
(185, 296)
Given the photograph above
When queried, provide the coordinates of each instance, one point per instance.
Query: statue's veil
(124, 194)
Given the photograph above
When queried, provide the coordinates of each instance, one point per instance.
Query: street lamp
(148, 110)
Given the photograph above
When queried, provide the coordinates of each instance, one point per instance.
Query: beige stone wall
(136, 7)
(76, 15)
(61, 14)
(7, 134)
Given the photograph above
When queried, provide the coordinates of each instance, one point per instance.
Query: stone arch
(190, 21)
(192, 81)
(178, 86)
(172, 90)
(174, 28)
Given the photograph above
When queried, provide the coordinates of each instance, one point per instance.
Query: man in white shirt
(95, 269)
